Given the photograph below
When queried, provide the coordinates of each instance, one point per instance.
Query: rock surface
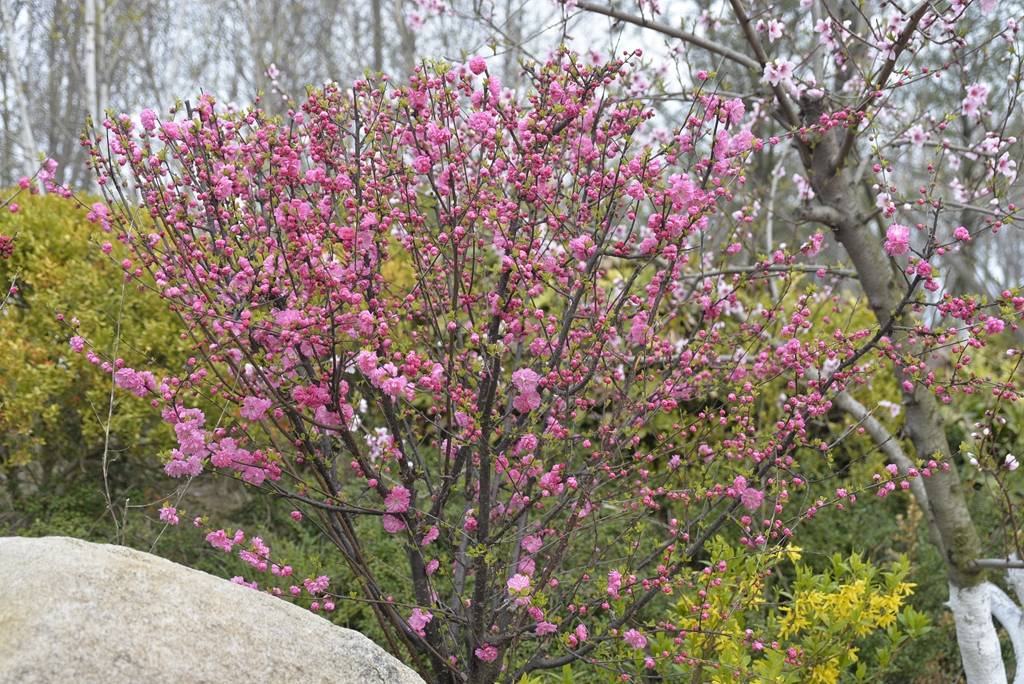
(73, 611)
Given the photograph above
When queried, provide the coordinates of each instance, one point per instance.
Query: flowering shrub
(507, 331)
(53, 403)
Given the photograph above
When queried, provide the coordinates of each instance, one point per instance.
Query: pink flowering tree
(474, 322)
(522, 337)
(901, 131)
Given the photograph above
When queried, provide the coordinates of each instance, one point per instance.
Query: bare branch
(665, 29)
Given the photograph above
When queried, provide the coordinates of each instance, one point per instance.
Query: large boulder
(73, 611)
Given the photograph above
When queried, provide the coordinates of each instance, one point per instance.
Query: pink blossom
(917, 135)
(481, 122)
(897, 239)
(813, 247)
(751, 498)
(183, 465)
(518, 584)
(239, 580)
(138, 383)
(531, 543)
(803, 187)
(254, 408)
(148, 118)
(638, 330)
(526, 402)
(962, 234)
(98, 213)
(545, 628)
(779, 72)
(432, 534)
(311, 396)
(397, 500)
(635, 639)
(220, 540)
(734, 110)
(1007, 166)
(614, 583)
(581, 247)
(169, 515)
(488, 653)
(477, 65)
(171, 130)
(420, 619)
(421, 164)
(970, 108)
(977, 96)
(994, 326)
(77, 344)
(525, 379)
(392, 524)
(316, 586)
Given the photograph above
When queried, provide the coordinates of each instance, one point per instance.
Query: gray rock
(73, 611)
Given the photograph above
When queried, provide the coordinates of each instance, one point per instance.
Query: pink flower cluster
(897, 240)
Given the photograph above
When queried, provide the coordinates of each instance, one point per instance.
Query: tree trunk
(28, 141)
(407, 40)
(91, 93)
(100, 59)
(950, 517)
(976, 634)
(378, 36)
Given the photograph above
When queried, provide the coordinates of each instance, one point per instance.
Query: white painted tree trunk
(976, 634)
(1011, 618)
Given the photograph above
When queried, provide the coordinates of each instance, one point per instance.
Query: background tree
(863, 70)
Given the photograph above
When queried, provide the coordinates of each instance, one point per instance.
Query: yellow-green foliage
(54, 403)
(841, 623)
(832, 613)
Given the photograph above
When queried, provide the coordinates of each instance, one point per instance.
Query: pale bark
(103, 73)
(28, 141)
(1015, 578)
(976, 634)
(1011, 618)
(91, 93)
